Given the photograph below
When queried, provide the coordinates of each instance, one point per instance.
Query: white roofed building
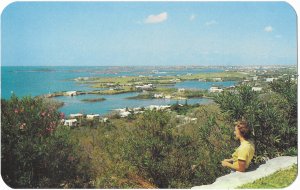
(76, 115)
(92, 116)
(71, 93)
(257, 89)
(215, 89)
(71, 122)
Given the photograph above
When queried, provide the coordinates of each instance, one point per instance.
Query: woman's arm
(241, 165)
(228, 160)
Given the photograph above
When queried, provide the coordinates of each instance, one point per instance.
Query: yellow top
(244, 152)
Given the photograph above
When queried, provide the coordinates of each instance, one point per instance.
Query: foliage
(280, 179)
(102, 148)
(164, 153)
(183, 109)
(154, 149)
(272, 116)
(35, 151)
(193, 93)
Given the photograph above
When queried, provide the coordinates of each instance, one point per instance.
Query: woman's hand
(228, 160)
(225, 163)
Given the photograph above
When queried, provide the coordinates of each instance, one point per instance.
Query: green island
(94, 100)
(131, 81)
(153, 85)
(173, 93)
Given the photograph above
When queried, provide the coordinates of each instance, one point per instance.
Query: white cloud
(192, 17)
(268, 29)
(152, 19)
(211, 22)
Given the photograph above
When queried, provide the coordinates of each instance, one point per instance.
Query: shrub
(164, 153)
(35, 151)
(272, 116)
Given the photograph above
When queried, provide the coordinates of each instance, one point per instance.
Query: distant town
(162, 86)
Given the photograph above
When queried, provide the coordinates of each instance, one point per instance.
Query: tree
(272, 115)
(164, 153)
(36, 151)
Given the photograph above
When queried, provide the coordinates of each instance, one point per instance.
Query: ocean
(34, 81)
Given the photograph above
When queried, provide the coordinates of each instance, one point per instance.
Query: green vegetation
(94, 100)
(142, 96)
(154, 149)
(173, 94)
(183, 109)
(279, 179)
(35, 151)
(106, 82)
(226, 76)
(272, 116)
(122, 90)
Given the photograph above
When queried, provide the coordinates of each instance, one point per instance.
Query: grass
(280, 179)
(104, 82)
(224, 75)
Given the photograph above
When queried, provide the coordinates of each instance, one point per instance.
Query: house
(103, 120)
(217, 79)
(92, 116)
(215, 89)
(76, 115)
(158, 95)
(254, 78)
(71, 122)
(71, 93)
(168, 96)
(124, 114)
(257, 89)
(110, 84)
(151, 107)
(270, 79)
(175, 80)
(145, 87)
(181, 89)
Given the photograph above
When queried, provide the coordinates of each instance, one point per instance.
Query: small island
(94, 100)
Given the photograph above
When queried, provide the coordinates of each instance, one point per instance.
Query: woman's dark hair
(244, 129)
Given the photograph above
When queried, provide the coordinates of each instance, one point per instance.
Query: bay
(34, 81)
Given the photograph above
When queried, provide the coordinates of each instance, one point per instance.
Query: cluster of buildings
(74, 119)
(125, 112)
(145, 87)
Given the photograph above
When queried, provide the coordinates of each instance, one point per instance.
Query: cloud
(268, 29)
(153, 19)
(211, 22)
(192, 17)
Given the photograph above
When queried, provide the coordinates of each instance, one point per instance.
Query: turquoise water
(75, 105)
(34, 81)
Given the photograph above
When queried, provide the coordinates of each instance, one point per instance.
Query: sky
(148, 34)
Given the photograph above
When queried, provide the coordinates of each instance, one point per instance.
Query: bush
(36, 151)
(164, 153)
(272, 116)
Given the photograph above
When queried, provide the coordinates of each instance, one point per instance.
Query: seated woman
(243, 155)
